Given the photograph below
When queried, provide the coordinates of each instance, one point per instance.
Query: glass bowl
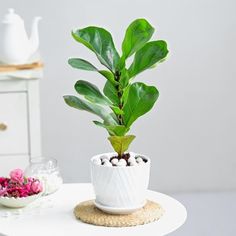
(47, 171)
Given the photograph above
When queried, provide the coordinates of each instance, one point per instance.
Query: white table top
(53, 215)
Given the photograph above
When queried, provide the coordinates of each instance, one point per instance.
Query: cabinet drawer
(13, 123)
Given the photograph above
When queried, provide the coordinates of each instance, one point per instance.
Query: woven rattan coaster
(89, 213)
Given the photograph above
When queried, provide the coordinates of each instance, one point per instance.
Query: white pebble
(103, 158)
(133, 163)
(131, 159)
(107, 163)
(122, 162)
(139, 160)
(114, 161)
(132, 154)
(97, 161)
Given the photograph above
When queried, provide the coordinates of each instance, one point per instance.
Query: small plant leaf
(108, 75)
(137, 34)
(111, 92)
(91, 92)
(121, 143)
(101, 43)
(114, 130)
(112, 114)
(82, 64)
(124, 78)
(80, 104)
(125, 93)
(147, 56)
(140, 100)
(117, 110)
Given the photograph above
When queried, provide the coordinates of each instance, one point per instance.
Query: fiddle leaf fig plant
(122, 100)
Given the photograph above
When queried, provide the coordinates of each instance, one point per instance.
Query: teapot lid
(12, 17)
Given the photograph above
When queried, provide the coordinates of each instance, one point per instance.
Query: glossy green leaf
(117, 130)
(137, 34)
(101, 43)
(91, 92)
(108, 75)
(82, 64)
(121, 143)
(111, 92)
(140, 100)
(125, 94)
(124, 78)
(117, 110)
(147, 56)
(80, 104)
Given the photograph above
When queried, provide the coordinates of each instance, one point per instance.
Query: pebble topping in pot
(131, 159)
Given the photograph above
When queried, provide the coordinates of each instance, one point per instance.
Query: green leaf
(80, 104)
(91, 92)
(82, 64)
(137, 34)
(117, 130)
(125, 94)
(124, 78)
(108, 75)
(117, 110)
(147, 56)
(121, 143)
(114, 116)
(101, 43)
(140, 100)
(111, 92)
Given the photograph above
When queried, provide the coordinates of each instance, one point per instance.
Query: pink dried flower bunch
(18, 185)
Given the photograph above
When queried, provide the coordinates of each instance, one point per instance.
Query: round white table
(53, 215)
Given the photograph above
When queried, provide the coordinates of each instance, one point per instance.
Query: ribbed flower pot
(120, 187)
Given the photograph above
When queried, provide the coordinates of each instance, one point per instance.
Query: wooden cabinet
(14, 118)
(20, 138)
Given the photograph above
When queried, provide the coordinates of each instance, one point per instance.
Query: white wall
(190, 135)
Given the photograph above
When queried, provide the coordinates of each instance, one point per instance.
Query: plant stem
(119, 93)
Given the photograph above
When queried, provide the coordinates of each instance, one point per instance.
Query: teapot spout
(34, 38)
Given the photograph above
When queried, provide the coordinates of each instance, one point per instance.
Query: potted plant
(120, 179)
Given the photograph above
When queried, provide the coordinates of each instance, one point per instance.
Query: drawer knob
(3, 127)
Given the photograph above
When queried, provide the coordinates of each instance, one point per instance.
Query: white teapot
(15, 46)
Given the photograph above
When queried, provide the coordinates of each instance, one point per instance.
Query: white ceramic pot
(120, 189)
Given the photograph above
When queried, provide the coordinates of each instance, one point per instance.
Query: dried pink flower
(36, 186)
(18, 185)
(17, 175)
